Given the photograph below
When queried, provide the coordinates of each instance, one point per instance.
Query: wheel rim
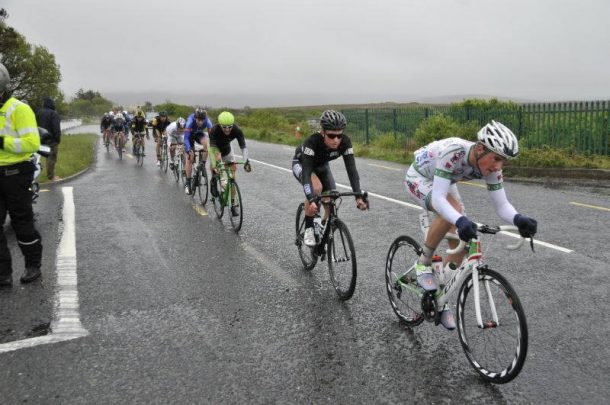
(236, 203)
(497, 351)
(203, 189)
(342, 261)
(404, 298)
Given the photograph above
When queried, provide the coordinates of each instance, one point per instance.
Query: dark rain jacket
(48, 119)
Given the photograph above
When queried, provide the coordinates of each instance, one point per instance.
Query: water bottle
(437, 268)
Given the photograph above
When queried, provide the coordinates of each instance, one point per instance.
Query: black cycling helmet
(163, 114)
(331, 119)
(200, 113)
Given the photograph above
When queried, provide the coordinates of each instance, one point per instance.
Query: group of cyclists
(195, 132)
(431, 180)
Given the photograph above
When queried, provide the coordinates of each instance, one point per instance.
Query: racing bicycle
(333, 242)
(490, 318)
(229, 194)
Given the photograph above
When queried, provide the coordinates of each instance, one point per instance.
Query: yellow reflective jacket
(20, 132)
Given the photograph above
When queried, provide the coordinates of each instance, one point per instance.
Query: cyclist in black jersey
(221, 136)
(310, 165)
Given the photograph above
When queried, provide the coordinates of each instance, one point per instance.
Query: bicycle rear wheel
(342, 264)
(107, 142)
(307, 254)
(236, 202)
(401, 281)
(497, 351)
(202, 186)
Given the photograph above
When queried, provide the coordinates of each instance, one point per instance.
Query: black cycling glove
(527, 226)
(466, 228)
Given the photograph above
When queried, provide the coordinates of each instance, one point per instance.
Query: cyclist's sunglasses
(334, 136)
(227, 126)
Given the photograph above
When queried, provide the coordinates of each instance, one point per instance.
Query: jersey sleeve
(503, 207)
(446, 166)
(350, 166)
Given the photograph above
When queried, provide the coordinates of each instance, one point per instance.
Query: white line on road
(395, 201)
(66, 324)
(386, 167)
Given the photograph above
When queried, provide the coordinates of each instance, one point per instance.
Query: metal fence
(581, 126)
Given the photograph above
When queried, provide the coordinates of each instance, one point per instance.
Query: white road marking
(66, 324)
(590, 206)
(395, 201)
(199, 209)
(386, 167)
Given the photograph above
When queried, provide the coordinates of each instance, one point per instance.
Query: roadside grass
(396, 149)
(76, 153)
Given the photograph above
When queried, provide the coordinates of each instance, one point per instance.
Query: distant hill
(291, 100)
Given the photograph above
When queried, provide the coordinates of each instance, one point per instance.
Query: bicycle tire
(217, 202)
(405, 303)
(164, 158)
(344, 282)
(107, 143)
(511, 316)
(176, 169)
(140, 157)
(202, 187)
(307, 254)
(120, 148)
(182, 169)
(236, 221)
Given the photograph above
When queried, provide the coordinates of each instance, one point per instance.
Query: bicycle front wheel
(401, 280)
(140, 157)
(176, 169)
(217, 202)
(164, 159)
(342, 260)
(120, 148)
(307, 254)
(202, 186)
(498, 348)
(236, 207)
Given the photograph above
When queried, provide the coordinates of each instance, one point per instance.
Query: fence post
(366, 125)
(520, 122)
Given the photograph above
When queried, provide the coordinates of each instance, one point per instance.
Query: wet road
(180, 309)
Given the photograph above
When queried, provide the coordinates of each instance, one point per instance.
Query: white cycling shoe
(447, 318)
(310, 237)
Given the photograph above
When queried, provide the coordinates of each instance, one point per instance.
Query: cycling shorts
(419, 188)
(322, 172)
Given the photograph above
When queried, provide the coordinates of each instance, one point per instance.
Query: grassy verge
(393, 149)
(76, 153)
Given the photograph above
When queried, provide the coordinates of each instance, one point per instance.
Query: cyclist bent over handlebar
(431, 181)
(310, 166)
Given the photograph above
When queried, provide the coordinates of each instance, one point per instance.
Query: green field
(76, 153)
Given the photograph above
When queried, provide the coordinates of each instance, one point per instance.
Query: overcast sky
(295, 52)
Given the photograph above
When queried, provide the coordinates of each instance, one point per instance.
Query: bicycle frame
(221, 167)
(471, 264)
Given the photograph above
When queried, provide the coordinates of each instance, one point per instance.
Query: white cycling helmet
(499, 139)
(180, 122)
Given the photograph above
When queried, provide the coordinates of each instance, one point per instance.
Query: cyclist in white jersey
(175, 136)
(431, 181)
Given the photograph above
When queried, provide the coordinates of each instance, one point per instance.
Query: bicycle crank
(429, 307)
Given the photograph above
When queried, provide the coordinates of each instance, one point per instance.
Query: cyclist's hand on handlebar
(361, 204)
(313, 208)
(527, 226)
(466, 228)
(247, 166)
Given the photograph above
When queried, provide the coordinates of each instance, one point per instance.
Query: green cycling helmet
(226, 118)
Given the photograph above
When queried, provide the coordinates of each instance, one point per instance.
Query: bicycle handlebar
(334, 194)
(482, 228)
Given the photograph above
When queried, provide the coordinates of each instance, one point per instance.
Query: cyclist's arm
(440, 189)
(239, 135)
(504, 208)
(350, 166)
(187, 140)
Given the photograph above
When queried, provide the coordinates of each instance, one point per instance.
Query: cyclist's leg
(205, 143)
(158, 138)
(328, 183)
